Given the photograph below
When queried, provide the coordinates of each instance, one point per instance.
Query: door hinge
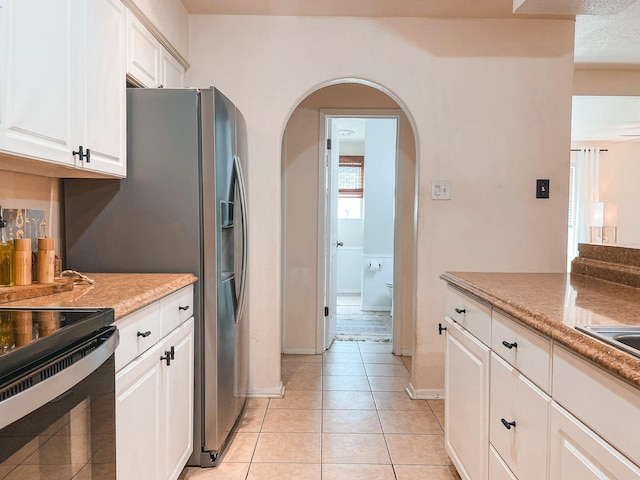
(326, 311)
(328, 144)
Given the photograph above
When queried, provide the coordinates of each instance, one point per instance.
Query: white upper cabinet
(37, 80)
(62, 86)
(103, 127)
(143, 53)
(172, 72)
(149, 64)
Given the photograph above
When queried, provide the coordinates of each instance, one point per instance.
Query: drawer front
(520, 347)
(138, 332)
(176, 308)
(470, 313)
(605, 404)
(514, 398)
(498, 470)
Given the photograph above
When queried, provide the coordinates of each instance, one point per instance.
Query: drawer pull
(172, 352)
(144, 334)
(508, 425)
(183, 308)
(441, 329)
(510, 345)
(167, 357)
(460, 310)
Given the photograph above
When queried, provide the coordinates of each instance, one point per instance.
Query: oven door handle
(29, 399)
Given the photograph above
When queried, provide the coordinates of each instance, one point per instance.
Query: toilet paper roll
(375, 266)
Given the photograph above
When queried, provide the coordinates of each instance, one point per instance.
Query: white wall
(490, 100)
(379, 192)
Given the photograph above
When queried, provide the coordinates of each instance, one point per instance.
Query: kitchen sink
(621, 337)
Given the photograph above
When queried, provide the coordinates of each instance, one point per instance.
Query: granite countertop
(554, 303)
(124, 292)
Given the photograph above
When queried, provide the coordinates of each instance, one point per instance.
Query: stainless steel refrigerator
(182, 208)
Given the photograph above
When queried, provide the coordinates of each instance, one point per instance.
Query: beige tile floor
(345, 415)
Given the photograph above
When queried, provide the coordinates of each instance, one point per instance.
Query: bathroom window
(350, 186)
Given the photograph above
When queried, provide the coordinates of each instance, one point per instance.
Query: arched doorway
(304, 211)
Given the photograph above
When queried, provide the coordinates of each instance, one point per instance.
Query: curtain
(586, 192)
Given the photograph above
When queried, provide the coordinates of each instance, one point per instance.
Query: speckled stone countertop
(554, 303)
(124, 292)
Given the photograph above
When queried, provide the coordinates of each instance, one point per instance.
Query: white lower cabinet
(578, 453)
(519, 418)
(154, 402)
(498, 470)
(178, 377)
(467, 402)
(139, 416)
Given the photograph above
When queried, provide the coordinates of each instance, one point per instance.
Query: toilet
(389, 288)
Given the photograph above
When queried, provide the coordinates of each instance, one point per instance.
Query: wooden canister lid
(47, 243)
(22, 244)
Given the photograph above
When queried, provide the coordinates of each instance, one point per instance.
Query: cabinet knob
(509, 345)
(172, 352)
(144, 334)
(441, 329)
(508, 425)
(167, 358)
(185, 308)
(460, 310)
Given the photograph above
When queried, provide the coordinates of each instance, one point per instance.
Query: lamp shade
(603, 214)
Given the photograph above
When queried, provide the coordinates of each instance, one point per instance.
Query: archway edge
(411, 136)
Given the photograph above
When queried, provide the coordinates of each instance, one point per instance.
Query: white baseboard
(407, 352)
(424, 394)
(269, 392)
(299, 351)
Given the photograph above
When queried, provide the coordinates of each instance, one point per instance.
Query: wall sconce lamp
(603, 222)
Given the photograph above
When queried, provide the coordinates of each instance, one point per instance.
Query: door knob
(339, 244)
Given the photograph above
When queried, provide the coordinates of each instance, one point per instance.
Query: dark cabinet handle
(441, 329)
(460, 310)
(508, 425)
(183, 308)
(509, 345)
(172, 352)
(144, 334)
(82, 154)
(167, 357)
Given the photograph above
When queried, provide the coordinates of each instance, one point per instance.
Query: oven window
(70, 437)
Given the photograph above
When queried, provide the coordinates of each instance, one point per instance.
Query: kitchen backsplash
(31, 206)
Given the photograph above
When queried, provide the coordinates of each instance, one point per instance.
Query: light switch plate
(542, 188)
(440, 190)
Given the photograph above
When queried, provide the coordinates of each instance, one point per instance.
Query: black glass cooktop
(29, 335)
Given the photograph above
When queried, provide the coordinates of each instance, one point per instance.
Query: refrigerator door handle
(243, 205)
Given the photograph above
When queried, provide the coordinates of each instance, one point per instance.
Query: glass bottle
(6, 255)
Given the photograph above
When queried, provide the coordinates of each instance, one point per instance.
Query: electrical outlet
(542, 188)
(441, 190)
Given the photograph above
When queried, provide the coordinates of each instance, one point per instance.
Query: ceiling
(607, 35)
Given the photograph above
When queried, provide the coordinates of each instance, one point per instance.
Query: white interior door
(331, 232)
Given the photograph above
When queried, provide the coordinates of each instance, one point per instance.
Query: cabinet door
(172, 72)
(143, 53)
(523, 443)
(38, 84)
(467, 402)
(139, 417)
(103, 126)
(577, 452)
(178, 400)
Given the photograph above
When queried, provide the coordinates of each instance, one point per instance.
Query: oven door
(58, 419)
